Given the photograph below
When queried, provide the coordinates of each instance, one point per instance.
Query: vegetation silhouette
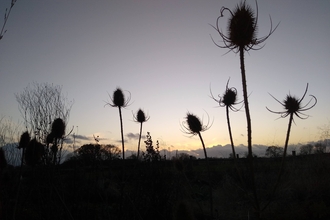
(242, 37)
(292, 106)
(85, 187)
(194, 126)
(229, 100)
(140, 118)
(118, 100)
(40, 104)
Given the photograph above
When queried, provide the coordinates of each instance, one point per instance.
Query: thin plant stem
(249, 129)
(122, 132)
(138, 153)
(209, 174)
(230, 135)
(282, 163)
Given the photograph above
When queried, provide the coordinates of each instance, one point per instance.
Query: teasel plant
(241, 37)
(118, 100)
(140, 117)
(229, 100)
(292, 107)
(193, 126)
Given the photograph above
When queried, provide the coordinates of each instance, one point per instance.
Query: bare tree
(40, 104)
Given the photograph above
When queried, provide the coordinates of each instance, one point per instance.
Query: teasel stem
(249, 129)
(138, 153)
(282, 163)
(209, 173)
(122, 132)
(230, 135)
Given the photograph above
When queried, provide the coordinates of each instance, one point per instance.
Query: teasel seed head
(242, 29)
(140, 116)
(193, 125)
(118, 99)
(292, 105)
(58, 128)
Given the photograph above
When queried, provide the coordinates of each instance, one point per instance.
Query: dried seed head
(24, 140)
(140, 116)
(291, 104)
(58, 128)
(242, 26)
(229, 98)
(118, 98)
(194, 124)
(242, 29)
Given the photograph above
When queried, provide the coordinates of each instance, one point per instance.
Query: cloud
(82, 137)
(135, 136)
(78, 139)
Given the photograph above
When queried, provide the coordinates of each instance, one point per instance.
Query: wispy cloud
(135, 136)
(82, 137)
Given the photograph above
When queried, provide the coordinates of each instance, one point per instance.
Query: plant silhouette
(140, 118)
(292, 106)
(194, 126)
(229, 100)
(241, 37)
(118, 100)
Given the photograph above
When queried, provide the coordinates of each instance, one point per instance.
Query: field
(172, 189)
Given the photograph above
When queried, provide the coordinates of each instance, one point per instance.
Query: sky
(162, 54)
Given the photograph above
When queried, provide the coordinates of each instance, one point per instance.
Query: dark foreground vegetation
(172, 189)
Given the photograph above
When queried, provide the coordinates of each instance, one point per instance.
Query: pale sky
(162, 53)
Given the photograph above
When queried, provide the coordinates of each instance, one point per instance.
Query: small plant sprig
(193, 126)
(118, 100)
(140, 118)
(292, 107)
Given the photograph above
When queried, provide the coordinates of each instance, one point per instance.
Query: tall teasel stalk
(118, 100)
(194, 126)
(140, 118)
(292, 107)
(242, 37)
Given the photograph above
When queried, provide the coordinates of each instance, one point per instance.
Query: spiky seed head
(229, 98)
(58, 128)
(291, 104)
(194, 124)
(118, 98)
(242, 26)
(140, 116)
(24, 140)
